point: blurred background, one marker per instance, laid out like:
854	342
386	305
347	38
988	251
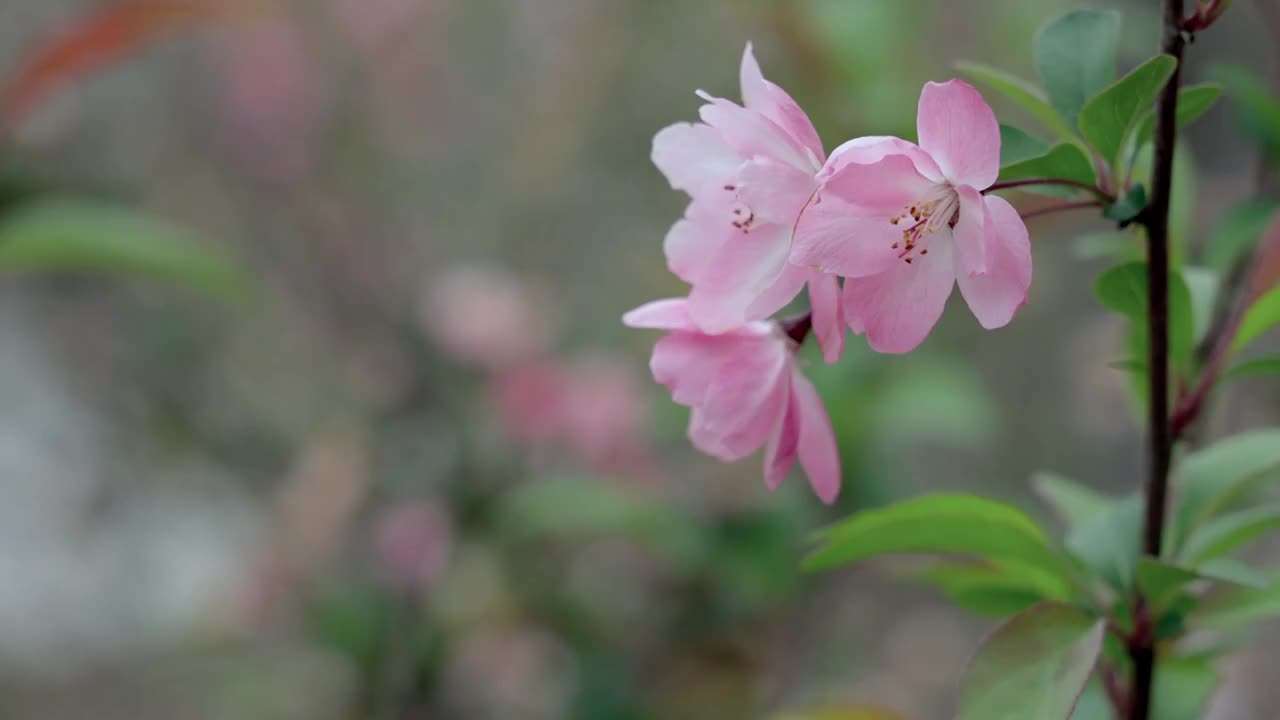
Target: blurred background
315	402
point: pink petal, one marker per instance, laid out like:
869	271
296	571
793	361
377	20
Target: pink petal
828	315
873	148
750	133
695	158
737	273
694	239
744	400
880	189
779	294
669	314
959	130
897	309
688	362
997	295
774	191
780	453
834	238
970	235
773	102
819	454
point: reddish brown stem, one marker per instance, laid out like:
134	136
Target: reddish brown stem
1063	182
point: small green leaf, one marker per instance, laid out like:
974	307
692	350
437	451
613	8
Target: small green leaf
1260	318
984	589
1236	607
1193	101
1107	119
1261	366
1073	503
1125	209
1024	94
1065	161
1223	535
1076	57
1215	476
1161	582
1203	284
947	524
1034	667
1183	686
70	234
1107	542
1123	289
1016	145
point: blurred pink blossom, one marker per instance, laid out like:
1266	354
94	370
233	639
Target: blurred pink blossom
905	223
485	316
592	406
271	93
370	22
412	544
746	391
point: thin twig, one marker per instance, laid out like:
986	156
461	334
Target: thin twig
1008	184
1079	204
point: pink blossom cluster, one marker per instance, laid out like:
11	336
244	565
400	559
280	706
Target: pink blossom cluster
880	232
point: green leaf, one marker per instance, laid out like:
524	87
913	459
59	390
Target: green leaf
1107	119
1215	476
947	524
1126	208
1261	366
1016	145
1193	101
1034	667
857	712
65	234
1203	284
1076	57
984	589
1236	607
1074	503
1225	534
1107	542
1123	289
1065	161
1183	686
1260	318
1024	94
1161	582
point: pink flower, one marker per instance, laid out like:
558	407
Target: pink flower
412	543
750	171
746	391
903	223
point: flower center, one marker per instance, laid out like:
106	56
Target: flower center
921	219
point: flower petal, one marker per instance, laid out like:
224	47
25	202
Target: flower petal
997	295
880	189
694	239
834	238
750	133
687	363
668	314
774	191
959	130
897	308
737	273
873	148
828	315
970	234
779	294
744	400
819	453
694	157
780	453
773	102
